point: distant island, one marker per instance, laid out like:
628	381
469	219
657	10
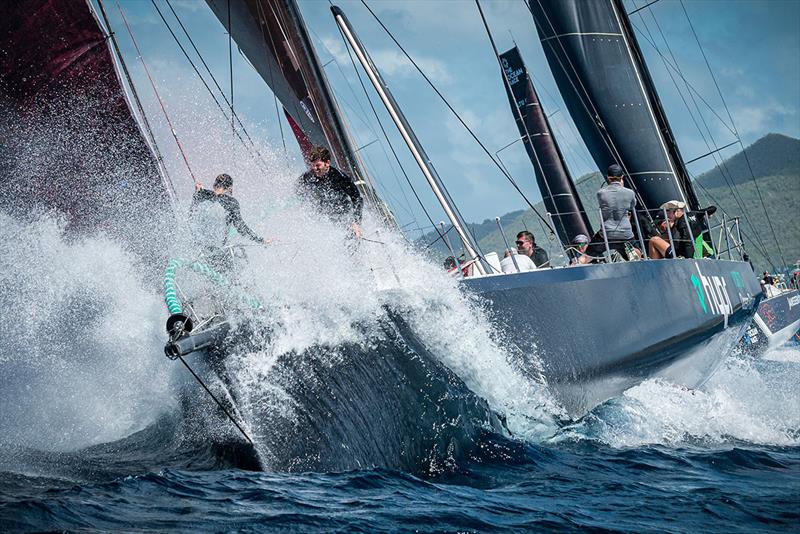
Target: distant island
775	160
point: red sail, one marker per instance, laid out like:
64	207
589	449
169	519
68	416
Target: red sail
70	141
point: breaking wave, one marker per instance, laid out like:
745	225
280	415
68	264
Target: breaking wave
748	401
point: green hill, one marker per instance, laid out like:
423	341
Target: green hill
775	160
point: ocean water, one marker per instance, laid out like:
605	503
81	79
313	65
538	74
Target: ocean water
372	409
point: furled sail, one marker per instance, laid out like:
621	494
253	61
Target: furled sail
601	74
70	142
558	192
273	37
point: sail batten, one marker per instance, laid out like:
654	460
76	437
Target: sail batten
607	89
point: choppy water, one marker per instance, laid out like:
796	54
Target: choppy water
360	425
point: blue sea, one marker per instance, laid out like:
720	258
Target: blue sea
354	429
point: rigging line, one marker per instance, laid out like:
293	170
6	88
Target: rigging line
759	247
455	113
230	60
518	113
386	136
383	149
721	164
251	148
225	411
170	187
733	124
364	120
208	70
641	8
710	153
160	101
441	236
692	88
262	23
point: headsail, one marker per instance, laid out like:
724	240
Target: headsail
273	37
558	191
70	140
600	71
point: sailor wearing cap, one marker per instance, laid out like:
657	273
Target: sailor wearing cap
675	225
580	243
616	203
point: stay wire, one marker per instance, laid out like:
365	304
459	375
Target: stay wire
456	114
211	74
733	124
252	148
170	187
230	60
224	410
155	90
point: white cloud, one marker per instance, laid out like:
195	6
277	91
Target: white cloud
392	62
758	119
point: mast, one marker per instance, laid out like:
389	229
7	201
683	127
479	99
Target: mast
555	183
410	138
601	74
274	38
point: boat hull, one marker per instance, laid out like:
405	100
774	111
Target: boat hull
594	331
775	322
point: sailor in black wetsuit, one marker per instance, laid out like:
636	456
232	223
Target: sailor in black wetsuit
214	213
331	190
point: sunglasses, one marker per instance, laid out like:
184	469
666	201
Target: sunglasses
521	243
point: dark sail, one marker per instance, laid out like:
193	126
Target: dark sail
558	191
70	143
273	37
606	86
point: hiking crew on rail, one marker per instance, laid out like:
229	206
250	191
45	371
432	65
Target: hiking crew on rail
333	192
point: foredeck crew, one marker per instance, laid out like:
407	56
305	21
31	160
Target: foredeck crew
214	213
331	190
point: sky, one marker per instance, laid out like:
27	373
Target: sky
752	47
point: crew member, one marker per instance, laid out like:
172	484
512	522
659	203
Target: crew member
331	190
220	197
526	245
617	203
580	244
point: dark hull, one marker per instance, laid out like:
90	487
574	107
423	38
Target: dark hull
594	331
775	322
387	403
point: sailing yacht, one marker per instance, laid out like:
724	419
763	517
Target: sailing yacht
597	330
592	331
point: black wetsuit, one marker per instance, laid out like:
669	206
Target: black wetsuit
539	256
233	213
334	193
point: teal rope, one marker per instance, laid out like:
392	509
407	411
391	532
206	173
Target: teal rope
170	291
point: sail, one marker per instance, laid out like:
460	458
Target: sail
600	72
273	37
558	192
70	142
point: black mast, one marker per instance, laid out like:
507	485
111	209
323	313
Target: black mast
555	183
